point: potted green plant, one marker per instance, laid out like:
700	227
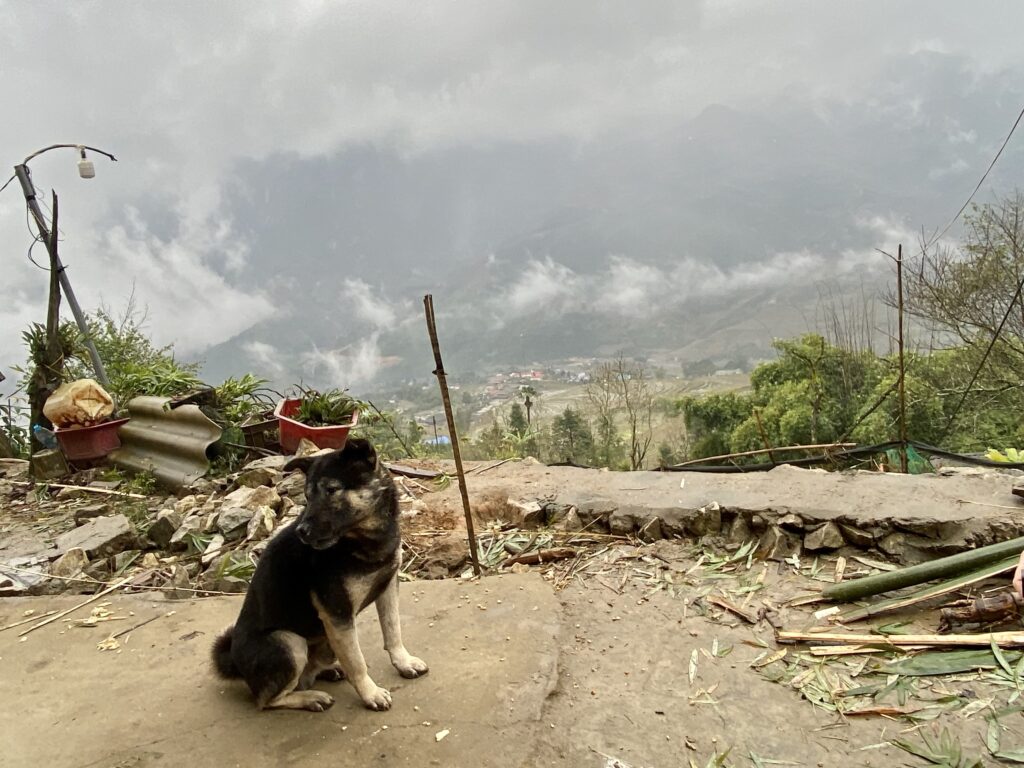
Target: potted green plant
323	418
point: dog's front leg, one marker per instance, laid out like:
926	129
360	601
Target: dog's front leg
345	643
391	626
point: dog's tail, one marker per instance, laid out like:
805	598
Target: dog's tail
222	661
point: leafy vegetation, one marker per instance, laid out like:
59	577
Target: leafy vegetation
331	407
816	392
135	365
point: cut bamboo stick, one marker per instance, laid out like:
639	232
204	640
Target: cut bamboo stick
29	620
721	602
853	650
542	556
936	590
918	574
983	640
85	488
82	604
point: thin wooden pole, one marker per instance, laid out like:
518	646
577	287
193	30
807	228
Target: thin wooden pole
903	367
442	383
759	451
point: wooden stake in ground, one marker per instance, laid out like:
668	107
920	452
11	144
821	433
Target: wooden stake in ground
442	383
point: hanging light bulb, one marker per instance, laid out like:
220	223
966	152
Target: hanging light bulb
85	167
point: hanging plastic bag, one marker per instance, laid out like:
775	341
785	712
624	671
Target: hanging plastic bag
79	403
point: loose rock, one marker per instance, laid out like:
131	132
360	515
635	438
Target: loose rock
261	525
233	521
189	526
526	513
827	536
256	477
254	498
178	585
71	563
99	537
89	511
167	522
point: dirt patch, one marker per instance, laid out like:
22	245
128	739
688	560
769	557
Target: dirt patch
653	674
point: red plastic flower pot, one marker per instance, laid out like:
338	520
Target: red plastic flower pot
292	432
95	442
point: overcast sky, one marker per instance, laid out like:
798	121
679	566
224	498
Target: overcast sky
194	96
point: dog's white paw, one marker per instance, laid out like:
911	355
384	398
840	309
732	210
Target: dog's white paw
318	701
410	666
377	699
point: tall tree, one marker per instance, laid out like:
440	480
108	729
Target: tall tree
571	438
517	420
972	294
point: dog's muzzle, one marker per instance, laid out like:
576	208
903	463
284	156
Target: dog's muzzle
308	537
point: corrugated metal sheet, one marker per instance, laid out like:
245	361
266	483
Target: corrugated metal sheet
170	443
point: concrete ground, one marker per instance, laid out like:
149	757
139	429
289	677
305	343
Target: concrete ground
492	648
626	667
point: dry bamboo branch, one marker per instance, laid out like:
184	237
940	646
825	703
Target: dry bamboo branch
983	640
726	605
26	621
86	488
82	604
542	556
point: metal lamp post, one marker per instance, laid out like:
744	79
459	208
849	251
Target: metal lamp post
86	170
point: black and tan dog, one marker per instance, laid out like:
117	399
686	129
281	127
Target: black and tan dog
297	623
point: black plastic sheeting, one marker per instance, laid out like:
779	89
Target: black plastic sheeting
834	457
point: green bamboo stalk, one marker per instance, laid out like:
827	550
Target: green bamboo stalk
936	590
943	567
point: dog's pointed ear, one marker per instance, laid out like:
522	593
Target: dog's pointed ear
361	449
299	462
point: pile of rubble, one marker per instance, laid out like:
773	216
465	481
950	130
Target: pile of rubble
205	540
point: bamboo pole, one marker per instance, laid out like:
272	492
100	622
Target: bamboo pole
943	567
903	366
936	590
759	451
442	383
981	640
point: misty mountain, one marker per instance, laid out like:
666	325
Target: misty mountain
712	236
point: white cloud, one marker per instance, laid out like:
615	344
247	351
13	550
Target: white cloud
373	309
541	286
267	356
189	302
630	288
351	366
